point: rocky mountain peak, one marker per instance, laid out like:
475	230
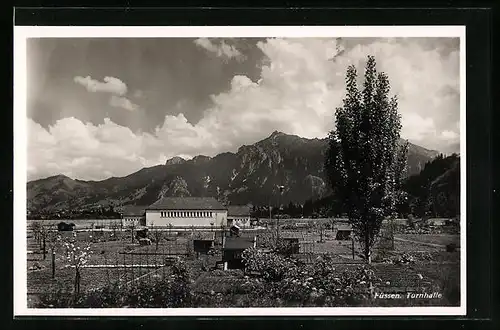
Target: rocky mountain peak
175	160
201	159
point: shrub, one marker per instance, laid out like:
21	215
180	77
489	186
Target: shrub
291	283
271	266
58	298
451	247
106	297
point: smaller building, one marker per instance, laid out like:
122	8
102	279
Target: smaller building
343	232
203	242
133	215
232	249
238	215
234	230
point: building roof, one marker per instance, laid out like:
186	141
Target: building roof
186	203
238	243
238	210
133	210
204	236
344	227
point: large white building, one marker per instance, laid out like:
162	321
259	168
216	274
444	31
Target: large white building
187	212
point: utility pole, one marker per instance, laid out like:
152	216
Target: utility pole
280	191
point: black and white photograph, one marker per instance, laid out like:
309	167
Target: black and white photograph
221	171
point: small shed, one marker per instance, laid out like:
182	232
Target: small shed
63	226
234	230
232	249
203	242
343	232
141	233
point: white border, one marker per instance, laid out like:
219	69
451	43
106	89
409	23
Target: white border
21	33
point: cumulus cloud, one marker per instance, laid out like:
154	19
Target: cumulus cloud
109	85
220	48
301	84
93	152
122	102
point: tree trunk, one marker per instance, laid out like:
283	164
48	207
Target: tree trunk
367	248
77	281
44	248
53	264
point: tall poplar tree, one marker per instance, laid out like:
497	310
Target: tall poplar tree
365	160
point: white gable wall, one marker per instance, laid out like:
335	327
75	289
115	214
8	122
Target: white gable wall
186	218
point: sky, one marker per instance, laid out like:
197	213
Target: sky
99	108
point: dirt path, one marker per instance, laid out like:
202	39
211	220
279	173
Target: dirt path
421	243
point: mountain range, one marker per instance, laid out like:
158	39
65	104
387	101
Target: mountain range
248	176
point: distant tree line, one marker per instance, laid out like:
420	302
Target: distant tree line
100	212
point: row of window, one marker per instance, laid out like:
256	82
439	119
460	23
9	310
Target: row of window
132	219
186	214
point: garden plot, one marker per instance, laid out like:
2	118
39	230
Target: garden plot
438	239
42	282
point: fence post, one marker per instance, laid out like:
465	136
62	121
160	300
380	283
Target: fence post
117	271
44	249
107	269
147	265
125	268
392	233
53	264
352	246
140	264
132	267
163	268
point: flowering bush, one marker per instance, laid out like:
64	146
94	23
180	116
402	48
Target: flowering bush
270	266
77	254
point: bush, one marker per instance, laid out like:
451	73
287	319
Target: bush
107	297
270	266
59	298
291	283
451	247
